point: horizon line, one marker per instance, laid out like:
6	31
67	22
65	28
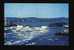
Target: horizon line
37	17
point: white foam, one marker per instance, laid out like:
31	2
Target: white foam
35	31
16	42
66	30
66	26
8	43
33	43
19	27
50	39
44	27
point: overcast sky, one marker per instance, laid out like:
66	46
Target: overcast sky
41	10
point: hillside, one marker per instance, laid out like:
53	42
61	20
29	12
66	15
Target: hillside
36	21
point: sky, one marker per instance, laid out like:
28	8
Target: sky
40	10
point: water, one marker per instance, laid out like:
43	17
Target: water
48	38
33	37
